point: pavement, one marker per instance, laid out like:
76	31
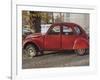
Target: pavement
55	59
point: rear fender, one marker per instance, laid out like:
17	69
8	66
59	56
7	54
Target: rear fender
81	43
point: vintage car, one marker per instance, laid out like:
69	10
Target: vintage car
60	36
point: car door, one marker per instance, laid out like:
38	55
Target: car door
68	37
52	40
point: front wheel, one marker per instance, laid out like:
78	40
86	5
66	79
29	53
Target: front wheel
80	52
31	50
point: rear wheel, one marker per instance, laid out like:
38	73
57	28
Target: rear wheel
80	52
30	50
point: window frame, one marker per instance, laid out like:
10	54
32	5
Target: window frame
66	26
52	26
78	28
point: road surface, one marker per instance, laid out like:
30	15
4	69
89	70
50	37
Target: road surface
55	59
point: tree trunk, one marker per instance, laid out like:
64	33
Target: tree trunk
35	21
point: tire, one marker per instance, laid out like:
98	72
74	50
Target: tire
80	52
30	50
87	51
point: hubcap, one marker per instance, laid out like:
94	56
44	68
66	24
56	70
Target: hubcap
31	52
81	51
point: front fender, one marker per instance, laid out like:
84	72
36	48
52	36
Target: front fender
31	41
81	43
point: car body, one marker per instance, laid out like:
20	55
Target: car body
60	36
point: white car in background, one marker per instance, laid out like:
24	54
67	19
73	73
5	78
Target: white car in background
45	27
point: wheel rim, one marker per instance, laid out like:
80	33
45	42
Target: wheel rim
31	52
81	51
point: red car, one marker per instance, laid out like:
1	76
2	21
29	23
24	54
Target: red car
60	36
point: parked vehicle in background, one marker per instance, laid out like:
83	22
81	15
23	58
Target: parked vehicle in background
45	27
26	31
60	36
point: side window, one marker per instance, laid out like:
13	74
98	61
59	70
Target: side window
55	30
77	30
67	30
